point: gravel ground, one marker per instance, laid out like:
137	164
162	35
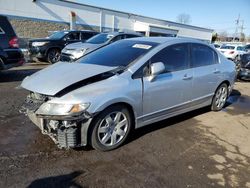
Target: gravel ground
197	149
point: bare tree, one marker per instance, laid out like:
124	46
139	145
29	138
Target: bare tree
184	18
242	37
223	36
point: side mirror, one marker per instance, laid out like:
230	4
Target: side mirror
156	69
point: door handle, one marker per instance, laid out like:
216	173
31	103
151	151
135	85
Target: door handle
216	71
186	77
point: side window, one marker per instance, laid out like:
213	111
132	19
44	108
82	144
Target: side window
130	36
119	37
86	36
203	55
240	48
174	57
73	36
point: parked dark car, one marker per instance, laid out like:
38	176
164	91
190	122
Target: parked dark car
49	49
72	52
247	47
10	54
244	72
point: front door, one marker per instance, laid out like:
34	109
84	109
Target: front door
171	90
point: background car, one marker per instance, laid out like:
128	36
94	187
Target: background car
244	72
49	49
128	84
247	48
217	46
74	51
232	51
10	54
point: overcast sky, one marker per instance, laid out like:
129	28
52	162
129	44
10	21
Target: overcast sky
219	15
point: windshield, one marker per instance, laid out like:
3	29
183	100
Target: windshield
118	54
99	39
228	47
58	35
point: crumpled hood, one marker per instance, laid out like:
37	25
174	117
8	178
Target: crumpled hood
82	46
55	78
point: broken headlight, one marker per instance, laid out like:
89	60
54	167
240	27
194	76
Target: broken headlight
55	109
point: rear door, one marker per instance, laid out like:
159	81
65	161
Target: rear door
73	37
169	91
207	73
86	35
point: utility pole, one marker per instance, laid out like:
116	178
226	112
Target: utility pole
241	30
237	22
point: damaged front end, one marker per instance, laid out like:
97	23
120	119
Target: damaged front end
67	125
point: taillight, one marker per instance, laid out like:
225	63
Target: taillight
231	52
14	42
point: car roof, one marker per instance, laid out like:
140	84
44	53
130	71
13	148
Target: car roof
161	40
235	45
115	33
76	31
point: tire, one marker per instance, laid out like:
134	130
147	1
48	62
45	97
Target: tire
220	97
53	55
110	128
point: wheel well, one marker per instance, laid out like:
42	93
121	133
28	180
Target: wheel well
226	82
1	62
126	105
2	58
130	109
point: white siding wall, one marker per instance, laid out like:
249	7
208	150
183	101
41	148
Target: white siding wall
55	10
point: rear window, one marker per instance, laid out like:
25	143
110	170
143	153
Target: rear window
5	27
100	38
1	31
228	47
118	54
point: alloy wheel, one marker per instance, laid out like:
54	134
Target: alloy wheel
112	129
221	97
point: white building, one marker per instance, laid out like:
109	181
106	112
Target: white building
102	19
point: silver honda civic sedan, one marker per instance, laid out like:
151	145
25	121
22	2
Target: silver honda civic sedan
129	84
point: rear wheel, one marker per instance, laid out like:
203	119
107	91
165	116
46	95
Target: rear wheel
53	55
220	97
111	128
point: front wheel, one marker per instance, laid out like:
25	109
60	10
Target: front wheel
53	55
220	97
111	128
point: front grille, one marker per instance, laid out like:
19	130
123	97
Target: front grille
66	58
68	138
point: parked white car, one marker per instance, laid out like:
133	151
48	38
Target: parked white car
232	51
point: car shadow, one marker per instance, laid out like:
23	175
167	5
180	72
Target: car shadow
15	75
233	98
62	181
137	133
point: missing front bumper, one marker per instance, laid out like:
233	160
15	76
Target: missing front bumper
64	133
